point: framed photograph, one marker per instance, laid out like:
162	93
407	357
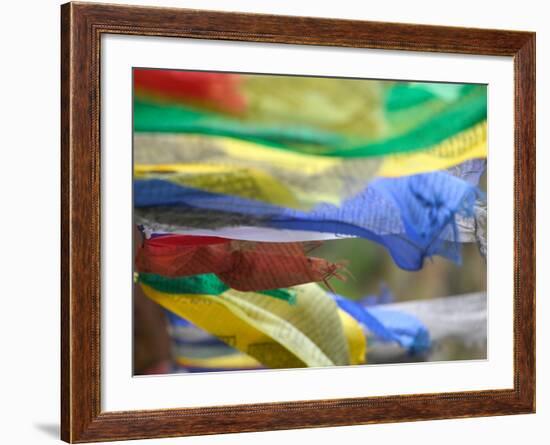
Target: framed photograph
274	222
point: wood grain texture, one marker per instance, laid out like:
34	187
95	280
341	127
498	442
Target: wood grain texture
81	28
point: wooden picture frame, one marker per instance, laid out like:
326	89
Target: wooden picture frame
82	26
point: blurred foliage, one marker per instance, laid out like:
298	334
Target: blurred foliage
371	267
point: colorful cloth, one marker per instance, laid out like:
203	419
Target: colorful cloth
311	332
412	216
238	178
335	117
244	266
297	180
389	325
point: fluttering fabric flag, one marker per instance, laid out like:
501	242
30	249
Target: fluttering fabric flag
467	145
218	91
250	170
207	283
260	105
297	180
345	116
403	328
238	177
195	350
311	332
246	182
412	216
241	265
152	228
389	325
